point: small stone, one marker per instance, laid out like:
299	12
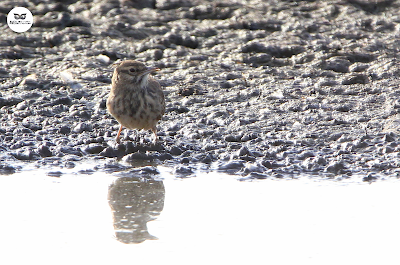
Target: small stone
69	164
334	167
81	127
359	143
199	57
387	149
22	130
337	64
110	152
389	137
207	159
165	156
233	138
149	170
254	46
235	165
30	80
54	174
359	67
249	136
183	170
71	157
305	154
138	4
9	101
343	107
176	151
326	82
370	178
62	101
308	163
64	129
104	59
244	151
270	164
260	58
136	156
22	105
86	171
320	160
172	4
6	169
232	76
158	54
355	79
185	160
44	151
24	155
257	175
61	150
254	167
94	148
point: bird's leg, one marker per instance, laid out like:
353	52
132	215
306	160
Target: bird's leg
154	130
119	133
136	136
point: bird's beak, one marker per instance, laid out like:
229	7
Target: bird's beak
150	70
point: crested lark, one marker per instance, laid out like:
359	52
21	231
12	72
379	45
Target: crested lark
136	99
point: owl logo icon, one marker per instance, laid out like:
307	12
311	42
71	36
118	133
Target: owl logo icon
19	19
19	16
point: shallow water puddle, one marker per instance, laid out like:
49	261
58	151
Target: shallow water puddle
211	218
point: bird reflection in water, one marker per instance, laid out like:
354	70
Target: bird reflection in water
135	201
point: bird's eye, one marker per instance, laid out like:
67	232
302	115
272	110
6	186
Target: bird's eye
132	70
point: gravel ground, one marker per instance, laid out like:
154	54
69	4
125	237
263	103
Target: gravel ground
261	89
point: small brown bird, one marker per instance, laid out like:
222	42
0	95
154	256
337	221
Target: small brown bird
136	99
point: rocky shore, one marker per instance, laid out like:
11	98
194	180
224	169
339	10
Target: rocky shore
261	89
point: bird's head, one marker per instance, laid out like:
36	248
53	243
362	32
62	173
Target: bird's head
133	72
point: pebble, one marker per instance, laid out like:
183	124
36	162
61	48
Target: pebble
111	152
183	170
233	138
165	156
24	155
64	129
82	127
172	4
335	167
337	64
148	170
137	156
54	174
6	169
176	151
9	101
305	154
355	79
243	151
254	167
44	151
104	59
370	178
231	165
255	175
93	148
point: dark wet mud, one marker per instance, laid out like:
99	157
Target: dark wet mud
256	88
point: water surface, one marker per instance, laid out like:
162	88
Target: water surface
207	219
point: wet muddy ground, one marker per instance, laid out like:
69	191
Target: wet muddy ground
262	89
